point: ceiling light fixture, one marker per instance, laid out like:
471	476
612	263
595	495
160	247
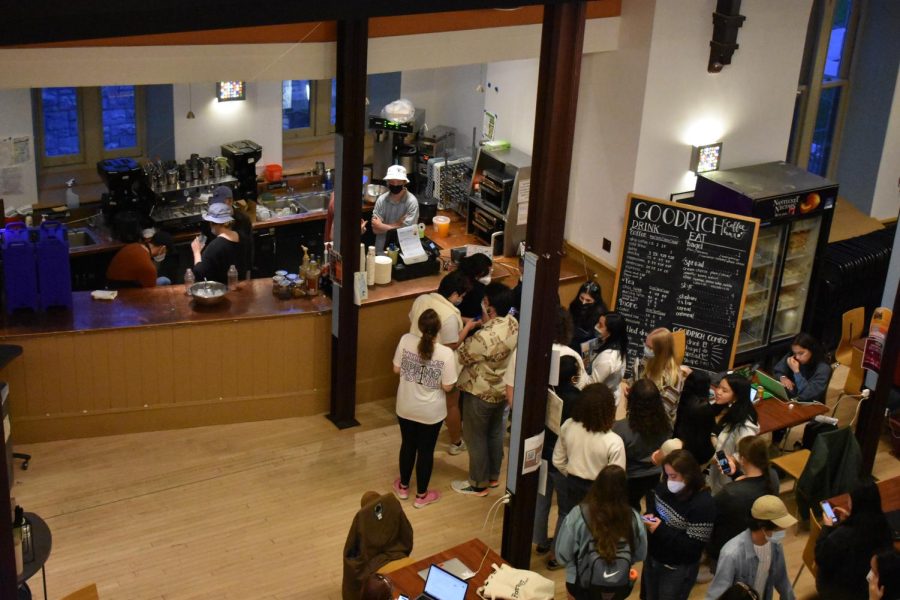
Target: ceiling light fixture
190	114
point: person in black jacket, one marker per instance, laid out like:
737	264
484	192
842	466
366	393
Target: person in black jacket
733	503
477	269
844	549
212	261
680	520
586	308
695	420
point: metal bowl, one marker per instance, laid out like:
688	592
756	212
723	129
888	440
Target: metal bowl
371	191
207	293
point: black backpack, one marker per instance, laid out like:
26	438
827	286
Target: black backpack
599	579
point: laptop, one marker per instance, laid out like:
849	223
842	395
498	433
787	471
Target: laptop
443	585
772	385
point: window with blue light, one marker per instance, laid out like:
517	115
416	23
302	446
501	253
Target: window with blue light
295	104
62	134
119	117
839	25
333	101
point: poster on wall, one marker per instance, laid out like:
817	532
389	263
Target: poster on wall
874	348
684	268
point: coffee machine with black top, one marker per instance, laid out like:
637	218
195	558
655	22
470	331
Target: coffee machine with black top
242	157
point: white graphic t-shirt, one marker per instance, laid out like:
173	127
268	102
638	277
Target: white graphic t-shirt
420	396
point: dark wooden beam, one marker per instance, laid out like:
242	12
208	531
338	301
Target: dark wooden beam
43	21
562	40
871	412
352	54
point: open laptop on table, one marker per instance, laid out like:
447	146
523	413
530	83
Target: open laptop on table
772	385
443	585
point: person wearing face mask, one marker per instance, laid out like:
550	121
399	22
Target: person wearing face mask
135	265
679	521
884	575
395	208
844	547
608	367
477	268
755	556
586	308
695	419
736	422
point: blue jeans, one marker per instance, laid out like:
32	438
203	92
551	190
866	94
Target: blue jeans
667	582
483	434
544	504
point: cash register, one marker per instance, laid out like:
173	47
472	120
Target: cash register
419	265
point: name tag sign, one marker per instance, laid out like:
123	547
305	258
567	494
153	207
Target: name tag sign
684	268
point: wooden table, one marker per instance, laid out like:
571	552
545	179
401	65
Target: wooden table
890	496
774	414
472	554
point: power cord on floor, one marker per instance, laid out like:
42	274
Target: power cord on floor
504	499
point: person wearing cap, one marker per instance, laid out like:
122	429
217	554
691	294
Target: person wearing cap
212	261
135	264
242	225
395	208
755	556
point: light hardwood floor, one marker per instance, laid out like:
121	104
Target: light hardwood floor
246	511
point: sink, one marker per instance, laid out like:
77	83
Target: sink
79	237
313	202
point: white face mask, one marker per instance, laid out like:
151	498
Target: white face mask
777	537
160	257
675	486
870	576
648	352
485	280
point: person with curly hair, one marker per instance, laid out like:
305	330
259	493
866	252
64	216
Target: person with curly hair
643	430
586	445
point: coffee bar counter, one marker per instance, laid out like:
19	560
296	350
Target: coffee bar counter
152	359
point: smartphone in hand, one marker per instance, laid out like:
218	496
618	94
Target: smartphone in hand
829	511
723	462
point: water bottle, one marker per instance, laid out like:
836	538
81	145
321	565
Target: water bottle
232	278
188	281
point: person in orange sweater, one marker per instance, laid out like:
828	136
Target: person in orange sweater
134	265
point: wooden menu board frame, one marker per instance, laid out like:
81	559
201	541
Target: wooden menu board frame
641	233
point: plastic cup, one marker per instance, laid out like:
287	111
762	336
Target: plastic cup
441	225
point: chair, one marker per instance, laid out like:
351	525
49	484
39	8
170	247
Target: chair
794	463
809	550
88	592
851	328
679	341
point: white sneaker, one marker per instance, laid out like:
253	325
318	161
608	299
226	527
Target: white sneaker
454	449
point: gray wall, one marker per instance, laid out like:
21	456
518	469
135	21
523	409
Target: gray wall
160	122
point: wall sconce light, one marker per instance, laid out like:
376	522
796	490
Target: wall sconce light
706	158
226	91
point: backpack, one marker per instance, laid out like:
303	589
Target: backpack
598	579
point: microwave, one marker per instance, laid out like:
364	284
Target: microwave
496	188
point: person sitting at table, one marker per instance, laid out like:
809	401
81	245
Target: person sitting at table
659	366
754	479
884	575
803	371
135	264
844	547
643	430
585	308
738	421
608	367
213	259
696	416
755	556
605	523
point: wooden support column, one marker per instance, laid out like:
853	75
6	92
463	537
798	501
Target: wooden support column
352	53
871	412
557	98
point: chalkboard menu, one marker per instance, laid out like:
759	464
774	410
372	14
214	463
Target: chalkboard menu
684	267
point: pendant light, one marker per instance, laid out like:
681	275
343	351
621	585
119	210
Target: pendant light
190	114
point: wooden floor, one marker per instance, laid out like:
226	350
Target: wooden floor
245	511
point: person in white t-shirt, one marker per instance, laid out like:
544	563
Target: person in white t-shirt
427	371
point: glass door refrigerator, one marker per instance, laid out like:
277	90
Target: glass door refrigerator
795	210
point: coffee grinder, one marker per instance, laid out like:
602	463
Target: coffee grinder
242	157
394	144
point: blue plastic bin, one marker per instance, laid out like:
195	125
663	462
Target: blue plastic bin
53	271
19	262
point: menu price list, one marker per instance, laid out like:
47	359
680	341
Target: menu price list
684	268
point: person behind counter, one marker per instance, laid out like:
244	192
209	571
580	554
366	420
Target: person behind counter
242	225
804	372
135	264
211	261
395	208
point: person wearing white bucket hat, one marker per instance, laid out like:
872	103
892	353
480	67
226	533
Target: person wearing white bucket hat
395	208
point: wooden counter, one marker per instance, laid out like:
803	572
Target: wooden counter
152	360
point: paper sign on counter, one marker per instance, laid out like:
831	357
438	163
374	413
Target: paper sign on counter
410	245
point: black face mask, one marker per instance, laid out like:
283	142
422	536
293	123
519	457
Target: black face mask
395	189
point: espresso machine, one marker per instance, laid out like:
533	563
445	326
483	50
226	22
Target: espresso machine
126	186
242	157
394	144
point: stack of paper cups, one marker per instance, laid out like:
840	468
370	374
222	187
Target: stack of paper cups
383	266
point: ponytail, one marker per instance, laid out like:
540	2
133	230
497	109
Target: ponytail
429	325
